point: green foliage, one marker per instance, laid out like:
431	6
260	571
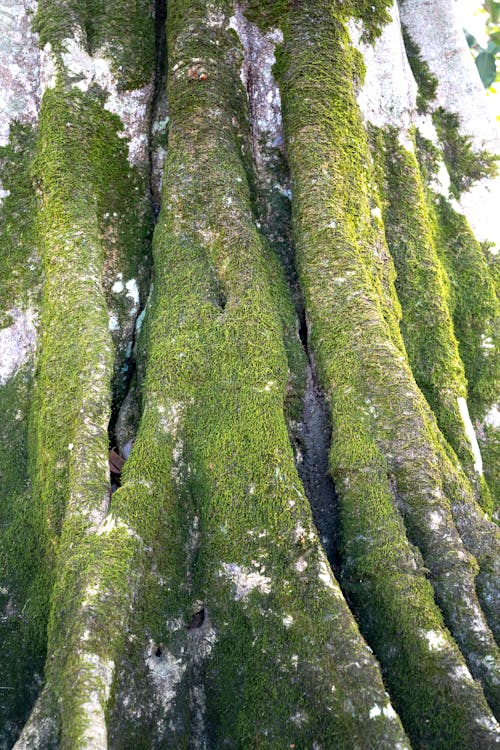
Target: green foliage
486	65
465	165
487	57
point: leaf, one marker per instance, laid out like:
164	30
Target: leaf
487	68
471	40
493	8
493	47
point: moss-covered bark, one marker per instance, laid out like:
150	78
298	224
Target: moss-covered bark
415	235
276	612
89	225
194	607
389	462
21	655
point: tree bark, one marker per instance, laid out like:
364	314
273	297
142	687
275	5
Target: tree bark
291	543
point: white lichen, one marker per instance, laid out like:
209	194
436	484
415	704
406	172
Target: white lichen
95	733
113	323
84	70
386	711
462	673
109	524
326	575
435	520
19	67
117	287
259	83
133	291
17	343
436	641
298	718
166	672
301	564
170	416
492	419
245	580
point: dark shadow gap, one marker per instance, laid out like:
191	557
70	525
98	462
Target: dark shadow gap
123	380
311	438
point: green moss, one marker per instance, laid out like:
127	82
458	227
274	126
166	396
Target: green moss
465	164
423	288
219	363
385	442
23	643
88	217
242	471
23	646
83	179
122	30
373	14
474	305
426	81
272	208
19	264
489	442
428	157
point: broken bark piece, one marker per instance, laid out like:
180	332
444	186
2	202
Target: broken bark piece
115	462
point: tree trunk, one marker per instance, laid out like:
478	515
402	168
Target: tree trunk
237	250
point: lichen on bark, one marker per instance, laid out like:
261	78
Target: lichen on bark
307	247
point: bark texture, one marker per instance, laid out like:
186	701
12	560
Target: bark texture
235	248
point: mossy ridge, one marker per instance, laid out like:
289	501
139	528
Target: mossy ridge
81	188
23	647
368	380
124	34
473	302
474	305
489	443
423	289
70	408
272	208
374	15
122	30
19	263
221	360
476	315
